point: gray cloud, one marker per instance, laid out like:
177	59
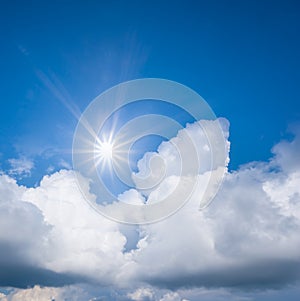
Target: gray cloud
22	276
258	275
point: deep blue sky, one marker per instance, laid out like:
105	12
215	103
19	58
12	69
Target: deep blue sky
242	57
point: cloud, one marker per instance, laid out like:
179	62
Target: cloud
20	167
21	227
24	236
196	149
287	155
46	293
172	297
18	274
142	294
82	241
247	239
51	231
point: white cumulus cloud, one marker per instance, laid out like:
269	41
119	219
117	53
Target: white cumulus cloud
248	238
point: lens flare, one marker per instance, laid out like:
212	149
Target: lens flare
105	150
102	151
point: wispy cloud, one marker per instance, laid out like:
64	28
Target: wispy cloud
20	167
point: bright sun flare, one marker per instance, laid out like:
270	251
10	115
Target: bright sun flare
105	151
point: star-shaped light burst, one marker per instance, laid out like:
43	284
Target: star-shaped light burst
104	151
109	153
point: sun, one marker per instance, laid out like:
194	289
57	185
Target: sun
104	152
109	153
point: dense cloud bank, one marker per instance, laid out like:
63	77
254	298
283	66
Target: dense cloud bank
247	239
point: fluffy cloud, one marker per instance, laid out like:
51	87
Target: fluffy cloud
46	293
142	294
200	147
247	238
51	231
287	155
82	241
35	293
22	235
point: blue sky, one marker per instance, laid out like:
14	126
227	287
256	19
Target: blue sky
242	57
